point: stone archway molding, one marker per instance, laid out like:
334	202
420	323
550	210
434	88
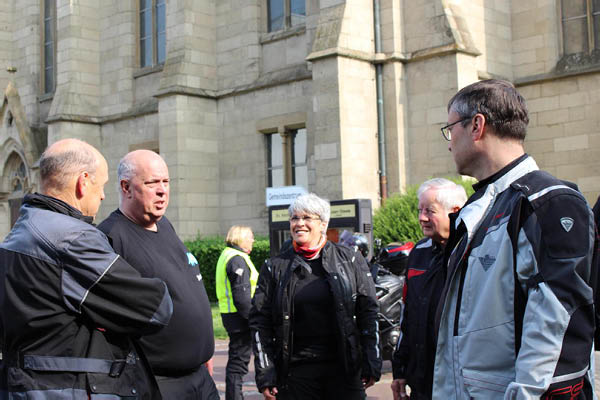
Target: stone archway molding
8	151
12	102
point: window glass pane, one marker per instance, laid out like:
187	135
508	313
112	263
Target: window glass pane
298	8
145	4
275	150
160	16
49	80
162	47
145	23
573	8
48	30
597	31
145	52
161	37
301	176
276	177
300	147
275	11
49	8
575	35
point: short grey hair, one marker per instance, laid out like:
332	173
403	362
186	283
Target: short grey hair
311	204
125	170
502	105
57	168
449	194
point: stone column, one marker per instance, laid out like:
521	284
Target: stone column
75	106
188	138
344	102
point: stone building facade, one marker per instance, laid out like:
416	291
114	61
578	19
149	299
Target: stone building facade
238	95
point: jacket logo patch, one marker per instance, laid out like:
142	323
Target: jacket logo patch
487	261
567	223
239	271
199	277
191	259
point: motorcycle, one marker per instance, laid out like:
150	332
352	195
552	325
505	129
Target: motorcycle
388	270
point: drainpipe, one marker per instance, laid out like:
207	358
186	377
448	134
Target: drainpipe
380	112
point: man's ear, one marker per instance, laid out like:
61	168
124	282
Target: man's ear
124	184
81	184
478	126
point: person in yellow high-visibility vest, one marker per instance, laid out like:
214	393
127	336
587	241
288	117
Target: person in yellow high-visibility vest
235	281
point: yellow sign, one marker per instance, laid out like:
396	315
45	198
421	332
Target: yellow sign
280	215
343	211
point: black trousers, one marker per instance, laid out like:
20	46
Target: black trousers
198	385
320	381
240	348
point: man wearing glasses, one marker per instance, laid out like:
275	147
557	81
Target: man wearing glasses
516	316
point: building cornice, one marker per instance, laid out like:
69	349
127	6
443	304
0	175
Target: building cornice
383	58
553	76
145	108
294	73
186	90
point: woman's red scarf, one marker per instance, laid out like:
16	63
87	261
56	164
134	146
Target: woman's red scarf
309	252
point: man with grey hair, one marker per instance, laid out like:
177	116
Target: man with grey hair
516	316
69	305
142	235
412	361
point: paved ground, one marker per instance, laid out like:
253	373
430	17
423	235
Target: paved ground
381	390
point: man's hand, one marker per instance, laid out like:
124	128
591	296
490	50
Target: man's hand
399	389
209	366
368	382
270	393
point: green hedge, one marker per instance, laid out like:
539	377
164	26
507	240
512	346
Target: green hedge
207	251
397	219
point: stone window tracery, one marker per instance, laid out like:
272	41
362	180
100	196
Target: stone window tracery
580	25
153	36
49	46
287	158
285	14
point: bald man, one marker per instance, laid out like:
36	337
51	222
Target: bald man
69	305
140	233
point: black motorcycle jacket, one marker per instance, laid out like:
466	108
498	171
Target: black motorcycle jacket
356	307
69	308
414	357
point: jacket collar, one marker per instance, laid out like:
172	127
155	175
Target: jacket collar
479	203
38	200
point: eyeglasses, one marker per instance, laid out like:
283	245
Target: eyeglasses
447	132
307	219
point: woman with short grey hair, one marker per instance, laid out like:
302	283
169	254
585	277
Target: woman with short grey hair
314	315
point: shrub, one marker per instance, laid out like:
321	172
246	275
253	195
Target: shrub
207	251
397	219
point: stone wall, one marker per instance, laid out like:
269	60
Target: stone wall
227	82
564	129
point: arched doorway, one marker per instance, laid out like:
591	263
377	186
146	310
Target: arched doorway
17	177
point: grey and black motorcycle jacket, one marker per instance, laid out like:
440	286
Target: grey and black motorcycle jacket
69	309
517	317
356	307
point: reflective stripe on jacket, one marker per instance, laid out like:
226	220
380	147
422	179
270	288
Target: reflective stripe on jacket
272	314
69	306
224	295
517	321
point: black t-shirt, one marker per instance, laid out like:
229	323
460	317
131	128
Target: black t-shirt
314	316
188	341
